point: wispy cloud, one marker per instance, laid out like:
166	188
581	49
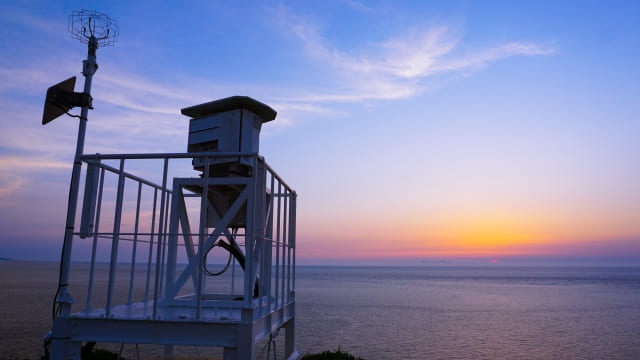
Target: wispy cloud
142	94
147	108
482	58
32	78
361	6
396	67
28	20
15	173
24	163
415	54
9	184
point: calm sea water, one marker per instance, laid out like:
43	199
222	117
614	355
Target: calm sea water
471	313
410	312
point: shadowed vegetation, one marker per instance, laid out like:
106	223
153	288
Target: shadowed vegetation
331	355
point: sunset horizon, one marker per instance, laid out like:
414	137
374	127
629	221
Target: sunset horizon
409	131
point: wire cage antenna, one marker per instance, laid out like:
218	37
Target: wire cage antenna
87	24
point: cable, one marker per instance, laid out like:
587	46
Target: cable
223	245
73	115
60	284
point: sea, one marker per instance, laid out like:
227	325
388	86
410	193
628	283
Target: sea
418	312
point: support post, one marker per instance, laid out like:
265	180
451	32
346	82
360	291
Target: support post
64	299
60	348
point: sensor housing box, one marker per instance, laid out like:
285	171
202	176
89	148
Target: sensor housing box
229	125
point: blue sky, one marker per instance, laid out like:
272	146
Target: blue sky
410	129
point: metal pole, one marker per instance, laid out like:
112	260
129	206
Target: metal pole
135	245
96	230
161	235
115	240
153	226
64	297
202	233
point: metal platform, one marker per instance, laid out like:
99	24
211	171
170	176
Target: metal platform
143	281
218	325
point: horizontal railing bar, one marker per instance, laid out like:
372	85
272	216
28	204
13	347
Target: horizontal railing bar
88	157
165	155
283	195
275	174
133	177
148	241
149	234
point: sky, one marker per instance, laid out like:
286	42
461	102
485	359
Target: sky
414	132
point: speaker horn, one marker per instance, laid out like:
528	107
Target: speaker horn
61	98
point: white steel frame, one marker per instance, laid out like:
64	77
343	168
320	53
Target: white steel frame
165	314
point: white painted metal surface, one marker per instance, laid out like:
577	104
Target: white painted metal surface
147	225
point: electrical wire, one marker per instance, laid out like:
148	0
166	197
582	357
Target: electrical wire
224	245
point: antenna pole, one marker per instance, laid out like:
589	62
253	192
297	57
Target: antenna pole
64	300
93	29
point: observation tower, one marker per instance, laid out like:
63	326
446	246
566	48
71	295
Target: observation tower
193	248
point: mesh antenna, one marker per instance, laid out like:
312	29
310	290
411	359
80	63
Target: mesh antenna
87	24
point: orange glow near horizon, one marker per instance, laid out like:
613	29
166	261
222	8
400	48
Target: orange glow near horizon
491	236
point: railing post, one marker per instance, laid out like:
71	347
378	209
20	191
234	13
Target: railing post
285	244
278	226
116	238
94	245
153	226
204	204
158	280
172	238
135	245
249	241
292	240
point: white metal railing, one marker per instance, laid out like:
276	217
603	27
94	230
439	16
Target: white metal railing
129	196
